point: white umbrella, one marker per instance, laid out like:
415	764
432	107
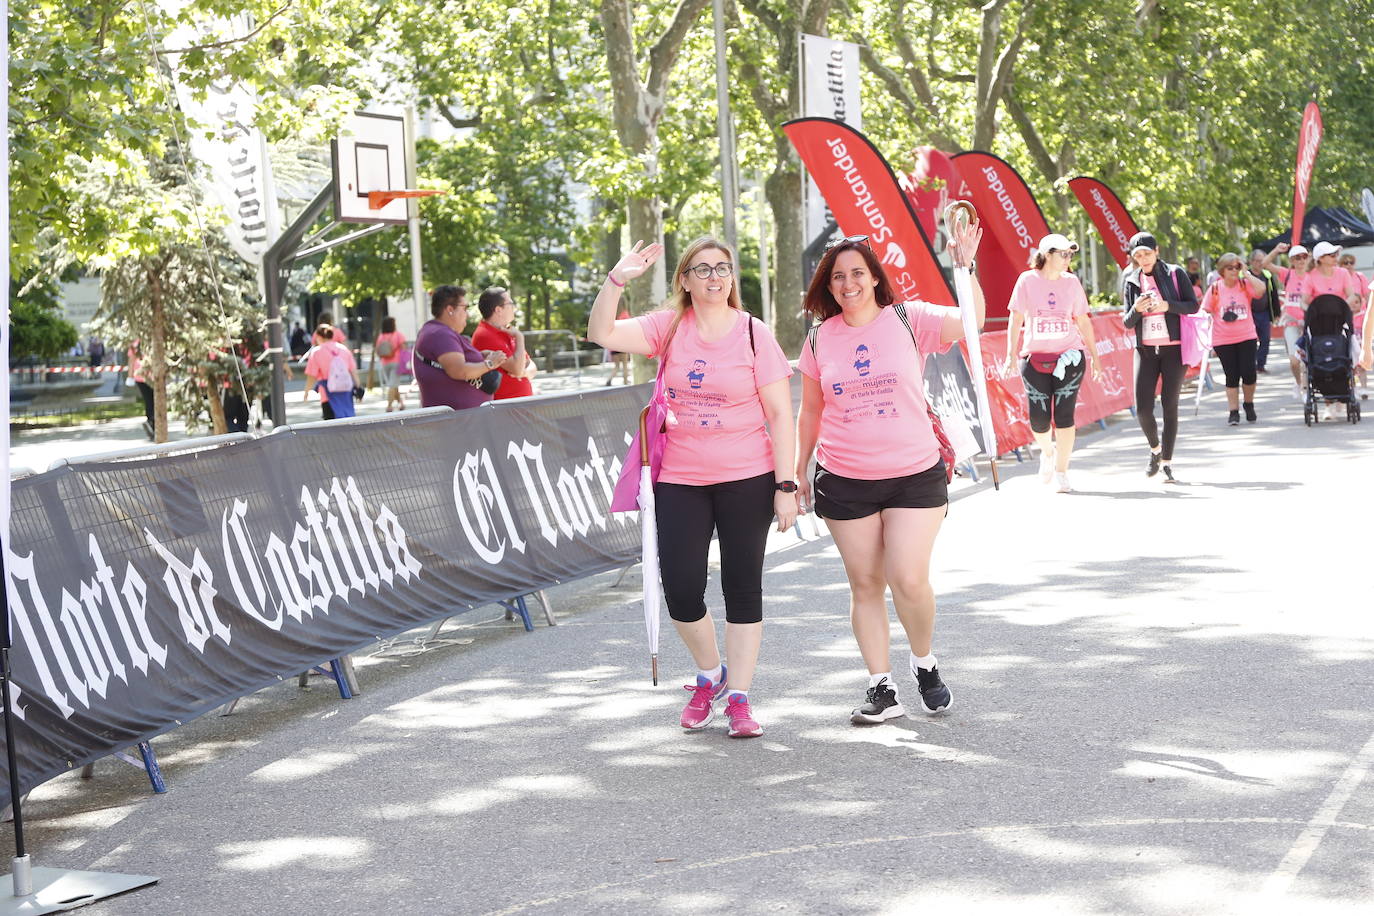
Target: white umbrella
648	531
960	213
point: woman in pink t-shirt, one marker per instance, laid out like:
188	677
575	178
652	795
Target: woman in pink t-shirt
727	464
880	481
1051	303
387	352
1230	301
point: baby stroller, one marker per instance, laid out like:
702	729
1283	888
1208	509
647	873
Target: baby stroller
1327	348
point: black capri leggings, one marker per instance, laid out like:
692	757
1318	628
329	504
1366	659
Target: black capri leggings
740	512
1238	361
1046	395
1159	363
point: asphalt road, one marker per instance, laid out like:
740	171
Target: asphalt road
1162	704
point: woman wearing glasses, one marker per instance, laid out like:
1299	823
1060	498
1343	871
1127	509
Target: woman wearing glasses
1050	302
727	466
1234	337
880	481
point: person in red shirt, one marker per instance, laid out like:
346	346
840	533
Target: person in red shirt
498	331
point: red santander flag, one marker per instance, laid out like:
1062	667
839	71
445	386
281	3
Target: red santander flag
1012	221
1309	140
932	184
1108	214
865	198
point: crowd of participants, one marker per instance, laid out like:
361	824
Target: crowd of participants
450	367
866	452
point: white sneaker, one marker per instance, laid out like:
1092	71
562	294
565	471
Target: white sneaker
1061	481
1046	466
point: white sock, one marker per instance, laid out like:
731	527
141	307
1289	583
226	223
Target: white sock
926	662
875	679
741	696
712	676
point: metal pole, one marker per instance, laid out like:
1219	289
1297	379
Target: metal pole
729	189
417	282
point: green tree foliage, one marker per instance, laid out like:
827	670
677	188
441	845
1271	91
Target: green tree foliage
185	298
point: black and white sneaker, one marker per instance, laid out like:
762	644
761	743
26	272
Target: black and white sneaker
1169	475
1153	469
935	696
880	706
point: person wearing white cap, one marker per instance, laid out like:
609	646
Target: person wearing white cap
1328	278
1157	295
1231	301
1292	277
1050	302
1347	262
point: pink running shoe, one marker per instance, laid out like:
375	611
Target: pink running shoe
701	708
742	724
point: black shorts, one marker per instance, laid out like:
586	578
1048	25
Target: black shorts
845	498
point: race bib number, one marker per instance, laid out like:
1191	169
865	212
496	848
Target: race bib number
1155	331
1048	326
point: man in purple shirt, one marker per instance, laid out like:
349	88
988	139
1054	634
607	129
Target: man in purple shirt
441	341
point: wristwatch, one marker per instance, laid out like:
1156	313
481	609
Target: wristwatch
787	486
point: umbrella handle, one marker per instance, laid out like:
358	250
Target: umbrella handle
644	444
653	663
960	213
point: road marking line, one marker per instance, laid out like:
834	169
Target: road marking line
1282	879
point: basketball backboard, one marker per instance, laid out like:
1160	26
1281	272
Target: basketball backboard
370	155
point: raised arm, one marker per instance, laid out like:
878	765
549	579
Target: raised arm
624	334
963	248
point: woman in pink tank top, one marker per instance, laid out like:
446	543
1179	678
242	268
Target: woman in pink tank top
727	465
880	481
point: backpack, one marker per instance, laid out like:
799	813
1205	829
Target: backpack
385	347
340	379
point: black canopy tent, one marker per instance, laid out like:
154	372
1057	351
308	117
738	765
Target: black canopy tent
1327	224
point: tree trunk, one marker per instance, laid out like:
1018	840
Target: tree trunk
783	189
645	293
214	397
157	355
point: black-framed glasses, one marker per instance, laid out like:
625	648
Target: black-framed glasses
704	271
849	239
1063	252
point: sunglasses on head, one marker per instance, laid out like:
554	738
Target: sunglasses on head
849	239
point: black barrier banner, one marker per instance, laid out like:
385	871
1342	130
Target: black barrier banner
949	389
144	593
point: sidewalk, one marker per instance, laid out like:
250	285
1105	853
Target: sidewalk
1161	705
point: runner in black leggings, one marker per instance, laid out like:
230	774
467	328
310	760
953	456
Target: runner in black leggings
1156	294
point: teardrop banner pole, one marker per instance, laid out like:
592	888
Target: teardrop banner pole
958	215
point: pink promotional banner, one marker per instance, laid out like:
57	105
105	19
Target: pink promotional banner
1108	214
1097	400
1309	141
1012	219
866	199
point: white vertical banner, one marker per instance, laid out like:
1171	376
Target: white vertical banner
235	172
830	89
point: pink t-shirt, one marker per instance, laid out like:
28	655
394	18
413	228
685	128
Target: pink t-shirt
713	389
1050	307
1339	283
398	342
1154	330
874	422
317	367
1292	294
1362	288
1222	300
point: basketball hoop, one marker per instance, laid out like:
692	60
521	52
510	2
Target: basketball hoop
376	200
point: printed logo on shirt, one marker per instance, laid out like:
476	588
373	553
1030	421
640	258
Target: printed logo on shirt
863	362
697	373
